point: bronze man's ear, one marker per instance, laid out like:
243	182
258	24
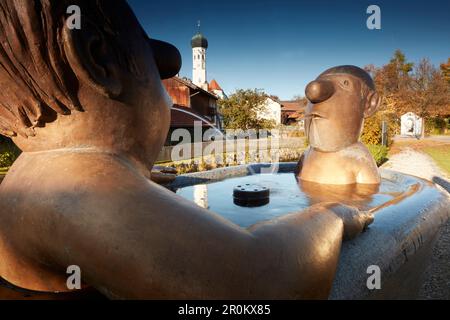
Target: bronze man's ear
372	104
167	58
92	59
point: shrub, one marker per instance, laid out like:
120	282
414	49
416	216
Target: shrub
379	153
8	152
435	126
372	128
371	132
7	158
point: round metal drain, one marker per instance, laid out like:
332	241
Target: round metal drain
251	195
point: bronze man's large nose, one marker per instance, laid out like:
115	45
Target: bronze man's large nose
319	90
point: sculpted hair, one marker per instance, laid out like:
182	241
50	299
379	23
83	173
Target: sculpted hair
37	83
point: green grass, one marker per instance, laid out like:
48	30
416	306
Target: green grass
379	153
441	155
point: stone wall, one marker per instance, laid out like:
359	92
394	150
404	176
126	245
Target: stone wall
211	155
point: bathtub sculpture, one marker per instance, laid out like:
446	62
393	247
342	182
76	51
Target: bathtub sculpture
88	110
407	211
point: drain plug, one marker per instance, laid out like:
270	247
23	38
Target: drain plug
251	195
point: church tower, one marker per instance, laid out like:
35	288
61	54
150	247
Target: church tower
199	45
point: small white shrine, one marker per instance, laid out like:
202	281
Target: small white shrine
411	125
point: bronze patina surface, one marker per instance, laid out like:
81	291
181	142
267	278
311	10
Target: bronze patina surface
88	110
339	100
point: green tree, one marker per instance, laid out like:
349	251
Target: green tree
399	61
240	110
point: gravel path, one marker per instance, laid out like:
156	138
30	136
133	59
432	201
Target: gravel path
437	277
417	164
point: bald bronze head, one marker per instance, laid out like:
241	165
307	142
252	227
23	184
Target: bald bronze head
339	99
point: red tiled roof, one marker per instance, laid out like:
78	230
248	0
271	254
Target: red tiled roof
214	85
186	82
195	87
292	106
296	115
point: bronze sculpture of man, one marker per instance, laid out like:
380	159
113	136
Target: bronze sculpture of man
88	110
339	99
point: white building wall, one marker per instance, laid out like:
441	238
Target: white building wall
220	94
272	111
199	66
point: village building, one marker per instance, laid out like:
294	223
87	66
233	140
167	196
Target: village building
199	45
411	125
293	113
190	104
215	88
271	111
195	100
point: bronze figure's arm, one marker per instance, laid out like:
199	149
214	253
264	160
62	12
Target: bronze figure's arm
134	239
88	109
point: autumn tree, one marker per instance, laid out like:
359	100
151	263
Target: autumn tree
445	70
392	81
421	89
241	109
428	92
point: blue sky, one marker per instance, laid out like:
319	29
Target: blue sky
280	46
